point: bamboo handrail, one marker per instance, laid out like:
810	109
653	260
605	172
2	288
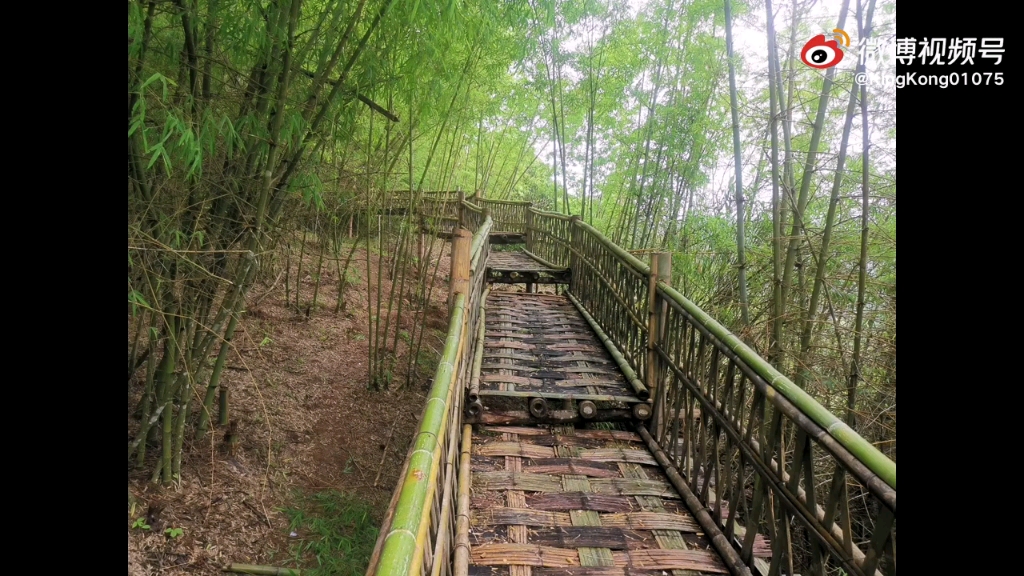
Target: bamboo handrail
863	450
399	554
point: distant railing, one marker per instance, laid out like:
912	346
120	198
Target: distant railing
547	236
416	535
509	216
760	454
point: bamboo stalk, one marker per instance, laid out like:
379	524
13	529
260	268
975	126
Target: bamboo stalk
624	256
478	242
462	546
659	314
638	386
459	284
478	358
547	214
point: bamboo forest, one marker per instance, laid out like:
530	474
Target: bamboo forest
511	287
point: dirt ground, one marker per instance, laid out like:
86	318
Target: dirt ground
307	422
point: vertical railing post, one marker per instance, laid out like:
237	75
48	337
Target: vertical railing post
575	239
661	271
462	239
459	211
529	228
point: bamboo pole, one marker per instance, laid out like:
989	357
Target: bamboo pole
711	530
399	555
860	448
541	260
547	214
459	284
652	327
559	396
641	391
371	568
626	257
661	271
462	548
478	241
475	406
529	228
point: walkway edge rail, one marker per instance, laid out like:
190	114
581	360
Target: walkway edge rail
416	538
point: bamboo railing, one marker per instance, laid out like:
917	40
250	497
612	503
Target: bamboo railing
509	216
417	535
547	237
760	453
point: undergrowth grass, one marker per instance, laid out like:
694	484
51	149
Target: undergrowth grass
336	533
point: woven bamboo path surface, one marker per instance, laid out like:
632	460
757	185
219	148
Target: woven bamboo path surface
550	500
539	344
519	267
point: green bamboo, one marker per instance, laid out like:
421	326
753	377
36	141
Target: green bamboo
638	386
401	543
461	562
863	450
547	214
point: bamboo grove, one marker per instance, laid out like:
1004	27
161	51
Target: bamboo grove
267	134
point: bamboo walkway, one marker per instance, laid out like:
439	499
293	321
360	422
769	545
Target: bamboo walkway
569	499
539	452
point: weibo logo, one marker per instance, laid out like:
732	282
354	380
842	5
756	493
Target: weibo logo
820	53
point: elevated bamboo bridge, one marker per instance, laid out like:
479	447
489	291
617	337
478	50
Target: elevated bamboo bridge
607	426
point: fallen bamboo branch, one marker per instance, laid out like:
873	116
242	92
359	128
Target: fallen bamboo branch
261	570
